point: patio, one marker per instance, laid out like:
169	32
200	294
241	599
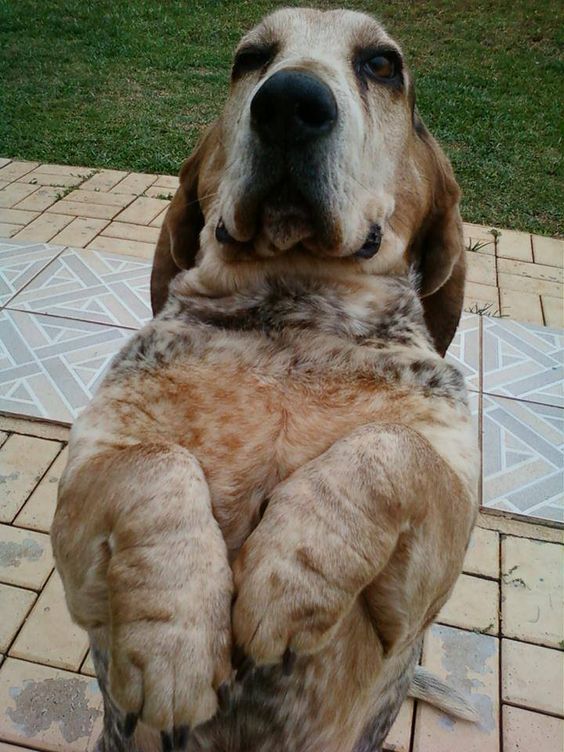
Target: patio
75	255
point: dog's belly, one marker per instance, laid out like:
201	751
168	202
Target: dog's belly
249	430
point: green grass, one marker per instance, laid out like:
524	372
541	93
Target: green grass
131	84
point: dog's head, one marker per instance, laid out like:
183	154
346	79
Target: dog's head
319	154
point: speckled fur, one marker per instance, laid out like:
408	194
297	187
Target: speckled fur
325	397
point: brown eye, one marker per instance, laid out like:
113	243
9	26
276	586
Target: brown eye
381	67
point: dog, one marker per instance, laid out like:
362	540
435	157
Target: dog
278	475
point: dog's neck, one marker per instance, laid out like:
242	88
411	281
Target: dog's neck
356	307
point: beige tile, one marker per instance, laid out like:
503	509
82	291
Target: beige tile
42	199
399	738
16	170
45	227
478	297
553	310
8	231
17	216
159	219
515	245
474	604
549	251
11	747
120	200
3	437
4	161
519	528
167	181
48	635
136	182
80	232
64	170
38	511
532	676
88	665
47	708
480	269
4	184
524	731
15	192
104	180
521	306
469	662
34	428
119	245
61	181
25	557
23	460
157	191
532	272
143	210
15	604
477	232
132	232
521	283
532	590
482	556
82	209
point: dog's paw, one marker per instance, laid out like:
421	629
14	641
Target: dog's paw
170	652
289	596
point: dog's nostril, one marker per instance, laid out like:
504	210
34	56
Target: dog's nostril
292	106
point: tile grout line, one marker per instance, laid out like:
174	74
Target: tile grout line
521	399
72	318
549	713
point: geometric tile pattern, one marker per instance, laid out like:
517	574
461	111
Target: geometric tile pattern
523	459
19	263
523	361
93	286
464	351
50	366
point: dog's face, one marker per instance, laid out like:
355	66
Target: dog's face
315	129
313	136
319	160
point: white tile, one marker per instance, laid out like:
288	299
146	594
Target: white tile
92	286
50	366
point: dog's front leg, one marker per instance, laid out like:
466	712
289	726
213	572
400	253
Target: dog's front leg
144	563
379	516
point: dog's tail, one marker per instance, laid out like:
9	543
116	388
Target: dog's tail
429	688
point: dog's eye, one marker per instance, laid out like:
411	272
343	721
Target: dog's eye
381	66
250	60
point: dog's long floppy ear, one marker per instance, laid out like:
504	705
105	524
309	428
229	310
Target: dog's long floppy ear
437	248
179	240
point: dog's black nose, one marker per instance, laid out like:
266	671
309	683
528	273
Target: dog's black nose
293	107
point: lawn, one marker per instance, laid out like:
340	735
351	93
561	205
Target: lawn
131	84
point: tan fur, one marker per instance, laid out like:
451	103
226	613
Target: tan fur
387	167
367	468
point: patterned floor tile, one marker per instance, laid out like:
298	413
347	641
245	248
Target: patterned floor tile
20	262
50	366
523	361
464	351
92	286
522	458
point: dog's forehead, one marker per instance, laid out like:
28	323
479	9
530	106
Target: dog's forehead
305	30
